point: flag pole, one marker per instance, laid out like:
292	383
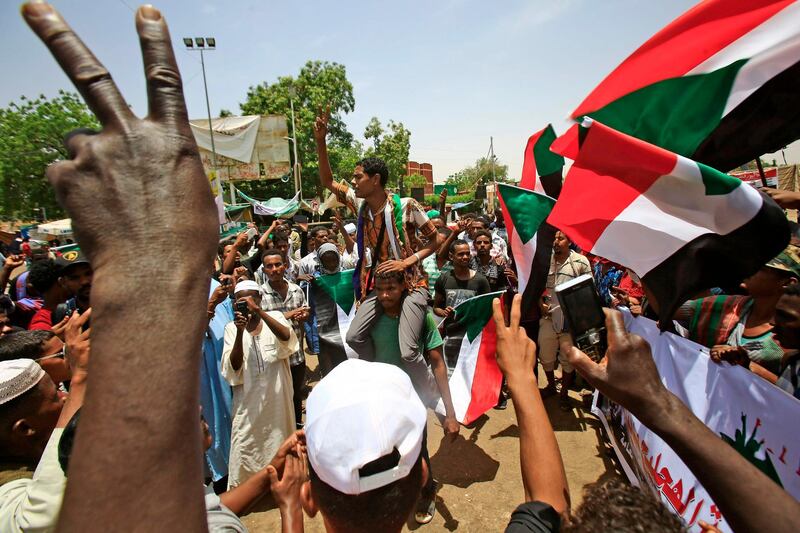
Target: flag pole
761	172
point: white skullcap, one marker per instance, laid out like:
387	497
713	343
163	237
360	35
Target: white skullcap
17	377
246	285
350	228
358	413
327	247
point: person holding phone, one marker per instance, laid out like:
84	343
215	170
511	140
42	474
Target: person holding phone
565	265
255	362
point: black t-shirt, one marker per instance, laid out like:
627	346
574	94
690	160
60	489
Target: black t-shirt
454	291
536	517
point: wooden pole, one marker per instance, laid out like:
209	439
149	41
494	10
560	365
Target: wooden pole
761	172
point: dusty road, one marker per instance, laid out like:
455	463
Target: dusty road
479	473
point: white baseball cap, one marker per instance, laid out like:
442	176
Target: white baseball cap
358	413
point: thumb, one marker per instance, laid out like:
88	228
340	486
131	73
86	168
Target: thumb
579	360
272	475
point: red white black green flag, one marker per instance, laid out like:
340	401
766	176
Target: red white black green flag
470	344
682	226
717	85
525	210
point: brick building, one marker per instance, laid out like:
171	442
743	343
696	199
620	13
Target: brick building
423	169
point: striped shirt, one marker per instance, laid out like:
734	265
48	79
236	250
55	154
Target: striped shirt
414	219
295	297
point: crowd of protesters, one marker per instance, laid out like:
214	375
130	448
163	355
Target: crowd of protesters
354	448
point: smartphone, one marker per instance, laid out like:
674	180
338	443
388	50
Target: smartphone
300	219
583	315
241	307
251	233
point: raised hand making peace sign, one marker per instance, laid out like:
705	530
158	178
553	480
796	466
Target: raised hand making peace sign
123	185
142	212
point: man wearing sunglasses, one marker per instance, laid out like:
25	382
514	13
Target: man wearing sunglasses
42	346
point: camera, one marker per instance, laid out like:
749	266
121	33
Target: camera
241	307
583	314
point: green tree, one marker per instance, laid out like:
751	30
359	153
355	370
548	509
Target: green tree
32	135
480	173
415	180
391	144
318	84
374	131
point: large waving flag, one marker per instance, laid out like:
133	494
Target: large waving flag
334	304
717	85
525	209
530	240
469	352
680	225
541	168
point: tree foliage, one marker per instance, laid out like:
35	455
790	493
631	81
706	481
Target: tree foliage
318	84
32	135
392	144
415	180
480	173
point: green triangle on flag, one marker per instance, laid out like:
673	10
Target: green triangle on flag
547	162
476	312
716	182
526	208
339	287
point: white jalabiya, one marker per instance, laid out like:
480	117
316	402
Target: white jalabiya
263	413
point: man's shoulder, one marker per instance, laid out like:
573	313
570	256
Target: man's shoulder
293	287
580	258
444	278
479	277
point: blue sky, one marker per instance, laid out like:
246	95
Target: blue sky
455	72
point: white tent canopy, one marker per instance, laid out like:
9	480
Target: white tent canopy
58	227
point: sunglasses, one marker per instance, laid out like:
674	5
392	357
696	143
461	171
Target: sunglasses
61	354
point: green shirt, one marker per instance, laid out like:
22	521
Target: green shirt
387	342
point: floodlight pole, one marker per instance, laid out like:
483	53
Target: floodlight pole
208	112
298	186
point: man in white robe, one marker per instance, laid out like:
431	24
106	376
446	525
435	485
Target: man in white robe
255	361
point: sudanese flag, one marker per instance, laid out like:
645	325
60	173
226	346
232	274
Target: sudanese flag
682	226
334	304
717	85
470	345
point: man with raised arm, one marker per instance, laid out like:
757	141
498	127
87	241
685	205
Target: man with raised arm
385	223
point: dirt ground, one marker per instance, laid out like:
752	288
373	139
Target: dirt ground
479	473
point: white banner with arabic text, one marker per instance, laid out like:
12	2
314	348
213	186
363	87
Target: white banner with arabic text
755	417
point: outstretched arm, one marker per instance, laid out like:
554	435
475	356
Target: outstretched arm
12	262
443	253
121	187
628	376
349	243
443	204
540	459
436	358
320	133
